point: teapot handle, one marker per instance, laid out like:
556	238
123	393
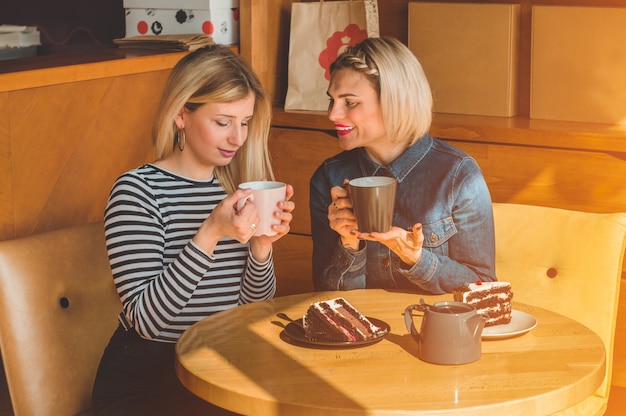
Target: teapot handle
408	319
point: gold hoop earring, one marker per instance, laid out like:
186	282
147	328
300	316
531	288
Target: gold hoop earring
181	139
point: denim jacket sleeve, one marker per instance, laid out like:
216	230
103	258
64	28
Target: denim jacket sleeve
459	248
334	267
346	270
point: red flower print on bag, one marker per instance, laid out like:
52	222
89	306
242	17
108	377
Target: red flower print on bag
337	43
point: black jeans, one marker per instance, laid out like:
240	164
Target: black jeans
136	377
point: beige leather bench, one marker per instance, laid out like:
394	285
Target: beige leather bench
569	262
58	308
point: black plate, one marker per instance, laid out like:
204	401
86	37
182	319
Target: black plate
295	331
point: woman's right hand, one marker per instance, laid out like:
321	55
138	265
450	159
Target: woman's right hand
341	217
227	221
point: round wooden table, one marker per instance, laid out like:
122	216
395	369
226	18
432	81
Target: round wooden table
241	360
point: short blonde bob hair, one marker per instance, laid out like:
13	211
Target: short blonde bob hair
216	74
397	76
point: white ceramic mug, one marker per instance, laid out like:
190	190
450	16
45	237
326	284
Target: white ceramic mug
265	197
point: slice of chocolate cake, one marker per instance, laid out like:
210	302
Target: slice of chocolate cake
492	300
337	320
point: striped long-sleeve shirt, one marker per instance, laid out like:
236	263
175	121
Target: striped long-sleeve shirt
165	281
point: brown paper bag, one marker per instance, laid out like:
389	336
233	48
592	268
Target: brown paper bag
319	32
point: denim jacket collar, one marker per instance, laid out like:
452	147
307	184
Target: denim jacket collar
402	165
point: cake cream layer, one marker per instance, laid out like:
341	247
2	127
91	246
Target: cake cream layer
492	300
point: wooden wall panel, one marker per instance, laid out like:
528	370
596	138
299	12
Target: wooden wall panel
293	266
47	125
264	42
570	179
295	156
69	142
6	188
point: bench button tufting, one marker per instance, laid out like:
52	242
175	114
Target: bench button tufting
64	302
552	272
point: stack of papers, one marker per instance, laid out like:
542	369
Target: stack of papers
166	42
13	36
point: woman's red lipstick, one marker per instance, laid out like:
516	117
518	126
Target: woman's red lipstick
342	129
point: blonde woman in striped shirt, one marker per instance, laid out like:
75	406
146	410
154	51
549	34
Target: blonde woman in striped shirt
179	249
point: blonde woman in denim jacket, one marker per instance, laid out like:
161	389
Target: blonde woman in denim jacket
443	232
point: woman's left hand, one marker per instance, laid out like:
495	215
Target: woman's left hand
406	244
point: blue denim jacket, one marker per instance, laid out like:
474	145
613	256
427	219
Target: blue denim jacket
439	186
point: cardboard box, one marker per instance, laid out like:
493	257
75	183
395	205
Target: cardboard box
578	64
218	18
469	53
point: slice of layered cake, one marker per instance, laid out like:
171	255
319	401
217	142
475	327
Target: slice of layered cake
492	300
338	320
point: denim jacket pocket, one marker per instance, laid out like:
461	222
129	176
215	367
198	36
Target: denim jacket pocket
437	234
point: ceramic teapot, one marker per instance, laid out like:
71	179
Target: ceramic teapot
450	332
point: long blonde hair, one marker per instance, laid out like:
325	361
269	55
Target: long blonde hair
397	76
216	74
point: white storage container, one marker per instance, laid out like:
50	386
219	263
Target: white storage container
218	18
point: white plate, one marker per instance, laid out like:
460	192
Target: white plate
521	323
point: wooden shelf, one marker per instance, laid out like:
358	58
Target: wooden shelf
498	130
522	131
60	69
41	71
